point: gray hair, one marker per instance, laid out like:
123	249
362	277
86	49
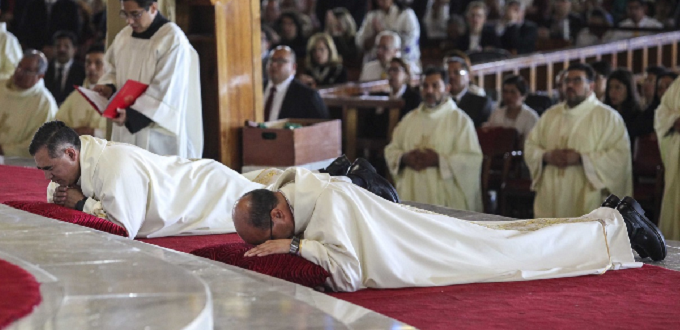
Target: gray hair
396	39
42	60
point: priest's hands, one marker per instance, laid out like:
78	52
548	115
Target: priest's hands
103	90
419	160
277	246
562	157
122	117
67	196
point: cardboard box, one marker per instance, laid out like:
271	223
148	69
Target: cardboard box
317	140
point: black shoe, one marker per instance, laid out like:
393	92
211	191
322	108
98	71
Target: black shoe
645	237
611	202
371	180
339	167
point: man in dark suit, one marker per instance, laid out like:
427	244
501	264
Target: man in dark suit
554	27
479	36
519	36
64	71
41	19
286	97
479	108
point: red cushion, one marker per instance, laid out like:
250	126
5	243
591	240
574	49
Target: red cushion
284	266
65	214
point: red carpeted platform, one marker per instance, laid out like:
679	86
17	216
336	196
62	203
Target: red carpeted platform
638	298
22	184
19	293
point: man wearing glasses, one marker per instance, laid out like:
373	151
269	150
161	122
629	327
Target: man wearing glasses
578	152
167	118
434	156
25	104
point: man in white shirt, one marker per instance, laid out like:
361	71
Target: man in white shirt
25	104
636	19
286	97
388	46
64	71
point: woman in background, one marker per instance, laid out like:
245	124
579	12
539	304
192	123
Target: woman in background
621	94
514	113
322	63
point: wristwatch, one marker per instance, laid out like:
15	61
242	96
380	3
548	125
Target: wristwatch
295	246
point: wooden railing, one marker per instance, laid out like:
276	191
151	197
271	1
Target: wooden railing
540	69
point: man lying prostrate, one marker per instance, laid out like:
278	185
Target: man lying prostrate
366	242
150	195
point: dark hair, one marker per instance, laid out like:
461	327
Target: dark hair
54	135
96	48
296	20
262	202
602	68
641	2
632	101
655	69
667	74
65	34
590	73
432	70
143	3
518	82
599	12
403	64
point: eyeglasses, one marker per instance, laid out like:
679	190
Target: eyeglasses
135	15
279	60
395	69
459	73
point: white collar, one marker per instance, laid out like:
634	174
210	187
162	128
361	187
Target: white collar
282	85
400	92
458	96
3	27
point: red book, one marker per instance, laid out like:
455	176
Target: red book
122	99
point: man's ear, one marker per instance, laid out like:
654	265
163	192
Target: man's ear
153	8
276	214
72	154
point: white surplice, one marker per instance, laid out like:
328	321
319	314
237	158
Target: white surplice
169	65
156	196
599	134
669	144
364	241
451	133
10	52
22	112
77	112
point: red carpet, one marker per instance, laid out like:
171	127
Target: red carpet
646	298
22	184
19	293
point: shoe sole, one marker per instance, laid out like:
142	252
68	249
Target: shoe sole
636	206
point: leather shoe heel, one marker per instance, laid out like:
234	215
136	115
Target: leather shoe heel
372	181
339	167
645	237
611	202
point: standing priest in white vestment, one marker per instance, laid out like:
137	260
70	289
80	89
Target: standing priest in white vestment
10	52
149	195
434	155
667	126
364	241
167	118
578	152
76	112
25	104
